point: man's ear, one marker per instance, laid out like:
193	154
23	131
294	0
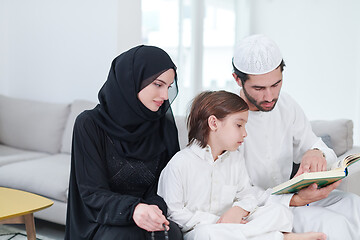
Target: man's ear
237	79
213	123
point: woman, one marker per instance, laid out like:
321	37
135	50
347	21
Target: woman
119	149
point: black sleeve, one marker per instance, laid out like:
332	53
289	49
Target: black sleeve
152	198
98	202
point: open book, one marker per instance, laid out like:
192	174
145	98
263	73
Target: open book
338	171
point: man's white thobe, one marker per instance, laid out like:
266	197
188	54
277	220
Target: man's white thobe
280	137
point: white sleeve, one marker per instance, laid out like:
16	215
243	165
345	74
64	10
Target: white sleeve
171	189
305	139
248	197
255	196
284	199
330	155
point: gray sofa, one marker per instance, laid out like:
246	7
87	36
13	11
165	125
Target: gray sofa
35	145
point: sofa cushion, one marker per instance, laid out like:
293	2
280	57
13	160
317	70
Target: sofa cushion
11	155
182	130
32	125
77	107
340	132
48	176
327	140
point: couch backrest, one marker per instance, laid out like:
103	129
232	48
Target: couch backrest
32	125
339	132
76	108
182	130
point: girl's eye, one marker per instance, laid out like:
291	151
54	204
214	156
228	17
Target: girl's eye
157	84
239	126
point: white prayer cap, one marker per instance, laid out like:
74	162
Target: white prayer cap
257	54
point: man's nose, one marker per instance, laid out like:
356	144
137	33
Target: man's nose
268	95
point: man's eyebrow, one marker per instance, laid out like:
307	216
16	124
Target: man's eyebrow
256	86
277	82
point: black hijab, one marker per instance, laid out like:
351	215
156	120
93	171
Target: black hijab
142	132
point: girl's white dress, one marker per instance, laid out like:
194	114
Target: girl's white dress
198	190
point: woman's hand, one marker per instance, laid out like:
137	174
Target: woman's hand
149	217
234	215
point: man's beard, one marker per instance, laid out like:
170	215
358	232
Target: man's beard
258	105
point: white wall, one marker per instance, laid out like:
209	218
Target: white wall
62	50
3	48
321	47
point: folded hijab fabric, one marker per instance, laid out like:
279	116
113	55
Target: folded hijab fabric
122	113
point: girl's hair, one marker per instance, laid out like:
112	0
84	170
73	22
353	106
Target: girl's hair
217	103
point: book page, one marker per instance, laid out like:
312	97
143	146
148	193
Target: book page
347	161
351	159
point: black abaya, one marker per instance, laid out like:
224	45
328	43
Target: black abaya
119	149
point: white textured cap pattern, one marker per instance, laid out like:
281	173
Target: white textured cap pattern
257	54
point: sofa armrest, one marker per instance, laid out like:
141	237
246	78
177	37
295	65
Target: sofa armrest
351	182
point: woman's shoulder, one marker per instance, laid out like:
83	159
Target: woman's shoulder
85	122
85	117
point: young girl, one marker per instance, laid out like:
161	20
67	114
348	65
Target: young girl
206	184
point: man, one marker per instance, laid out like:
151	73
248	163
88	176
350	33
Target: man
279	134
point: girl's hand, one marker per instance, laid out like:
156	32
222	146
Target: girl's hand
234	215
149	217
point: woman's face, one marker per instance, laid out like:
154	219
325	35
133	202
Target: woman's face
154	94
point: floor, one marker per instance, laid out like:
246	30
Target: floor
47	229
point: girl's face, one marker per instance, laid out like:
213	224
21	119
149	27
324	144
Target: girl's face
154	94
231	131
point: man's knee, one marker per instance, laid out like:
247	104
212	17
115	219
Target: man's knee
315	219
336	227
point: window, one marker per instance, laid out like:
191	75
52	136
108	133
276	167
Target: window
219	41
199	35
